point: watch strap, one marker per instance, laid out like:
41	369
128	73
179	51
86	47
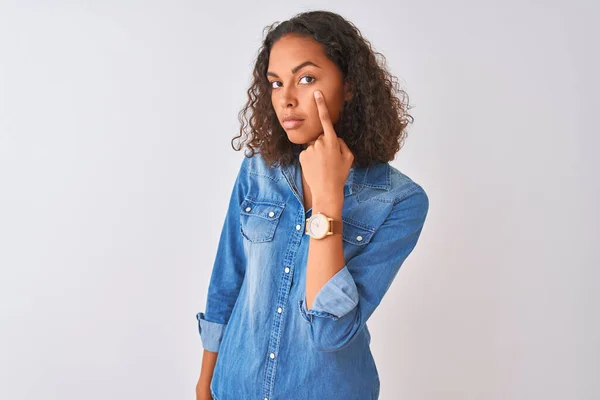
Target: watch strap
336	226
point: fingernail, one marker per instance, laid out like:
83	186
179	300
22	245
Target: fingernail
317	94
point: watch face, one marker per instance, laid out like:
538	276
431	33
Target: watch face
318	226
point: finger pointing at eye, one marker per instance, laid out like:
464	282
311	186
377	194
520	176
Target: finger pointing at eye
328	131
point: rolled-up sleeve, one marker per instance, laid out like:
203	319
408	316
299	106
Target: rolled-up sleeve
346	301
228	271
211	333
336	298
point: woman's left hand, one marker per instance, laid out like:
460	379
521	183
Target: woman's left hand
326	163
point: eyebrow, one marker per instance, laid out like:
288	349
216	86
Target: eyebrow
295	69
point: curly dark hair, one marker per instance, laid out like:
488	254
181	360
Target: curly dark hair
372	123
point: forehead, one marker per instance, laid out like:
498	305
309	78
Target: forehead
292	50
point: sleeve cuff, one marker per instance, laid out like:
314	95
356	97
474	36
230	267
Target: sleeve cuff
336	298
211	333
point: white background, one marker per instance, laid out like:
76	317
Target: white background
116	168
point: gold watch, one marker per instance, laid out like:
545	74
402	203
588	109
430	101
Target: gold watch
319	225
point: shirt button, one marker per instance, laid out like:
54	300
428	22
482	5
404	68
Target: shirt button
287	270
271	214
359	238
248	209
280	310
298	227
272	355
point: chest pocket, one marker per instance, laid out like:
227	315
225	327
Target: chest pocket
259	218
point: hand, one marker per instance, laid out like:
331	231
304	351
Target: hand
326	163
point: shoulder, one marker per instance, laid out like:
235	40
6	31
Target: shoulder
402	187
256	166
411	202
385	183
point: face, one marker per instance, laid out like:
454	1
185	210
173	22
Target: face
297	67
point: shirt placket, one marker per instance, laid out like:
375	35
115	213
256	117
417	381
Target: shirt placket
280	308
286	280
287	272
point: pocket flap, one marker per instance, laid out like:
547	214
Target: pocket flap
356	233
267	209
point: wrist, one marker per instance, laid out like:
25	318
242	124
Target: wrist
330	206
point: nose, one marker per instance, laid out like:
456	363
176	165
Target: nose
288	97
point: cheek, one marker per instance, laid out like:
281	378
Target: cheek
334	107
313	112
275	106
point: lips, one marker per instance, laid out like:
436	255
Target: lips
292	123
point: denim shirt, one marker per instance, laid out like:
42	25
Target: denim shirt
270	347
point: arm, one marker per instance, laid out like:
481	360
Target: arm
342	306
209	359
228	271
325	256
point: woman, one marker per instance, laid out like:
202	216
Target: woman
318	222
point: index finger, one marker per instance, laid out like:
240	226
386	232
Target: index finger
328	130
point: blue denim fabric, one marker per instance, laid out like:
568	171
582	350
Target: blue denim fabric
270	346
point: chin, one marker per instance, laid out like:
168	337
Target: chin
297	137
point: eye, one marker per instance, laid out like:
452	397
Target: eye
308	76
305	76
